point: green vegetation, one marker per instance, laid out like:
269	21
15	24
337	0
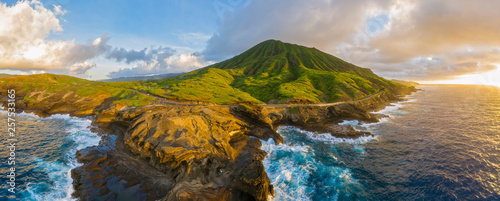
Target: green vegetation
273	71
44	85
270	72
211	84
409	83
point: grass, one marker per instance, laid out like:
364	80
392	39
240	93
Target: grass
273	71
270	72
60	85
212	85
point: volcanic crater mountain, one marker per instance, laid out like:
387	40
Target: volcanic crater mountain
179	151
278	72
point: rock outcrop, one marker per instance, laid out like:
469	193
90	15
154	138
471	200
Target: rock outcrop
207	152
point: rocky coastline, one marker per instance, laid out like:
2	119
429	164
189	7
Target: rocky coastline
172	152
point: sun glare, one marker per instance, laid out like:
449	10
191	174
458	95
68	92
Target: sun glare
487	78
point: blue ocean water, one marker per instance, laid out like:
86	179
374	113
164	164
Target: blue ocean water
45	155
441	144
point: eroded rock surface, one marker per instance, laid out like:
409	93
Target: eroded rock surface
206	151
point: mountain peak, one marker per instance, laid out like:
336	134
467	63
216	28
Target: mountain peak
275	71
277	56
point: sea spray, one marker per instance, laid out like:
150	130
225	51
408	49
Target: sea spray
298	172
49	154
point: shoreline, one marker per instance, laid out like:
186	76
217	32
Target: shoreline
119	121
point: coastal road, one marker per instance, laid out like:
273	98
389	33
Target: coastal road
163	100
320	104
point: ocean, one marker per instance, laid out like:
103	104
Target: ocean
443	143
45	154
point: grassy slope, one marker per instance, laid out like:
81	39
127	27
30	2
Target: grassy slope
37	87
408	83
277	71
271	71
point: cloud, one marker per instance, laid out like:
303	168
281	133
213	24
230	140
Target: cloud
430	68
24	27
461	35
81	68
395	38
82	52
322	24
186	62
162	62
23	45
420	40
433	27
129	56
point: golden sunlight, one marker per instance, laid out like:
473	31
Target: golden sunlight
487	78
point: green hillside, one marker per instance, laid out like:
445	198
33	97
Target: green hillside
270	72
50	87
273	71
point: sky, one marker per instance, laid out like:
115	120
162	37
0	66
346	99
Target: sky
428	41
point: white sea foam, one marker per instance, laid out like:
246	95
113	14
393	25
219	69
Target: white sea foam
391	112
350	122
327	137
394	108
284	173
296	174
59	171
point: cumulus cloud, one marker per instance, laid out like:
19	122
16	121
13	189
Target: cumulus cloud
186	62
420	40
81	68
161	62
24	28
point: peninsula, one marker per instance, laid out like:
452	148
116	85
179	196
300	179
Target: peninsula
198	135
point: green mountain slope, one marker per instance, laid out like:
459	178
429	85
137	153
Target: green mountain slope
272	72
50	88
